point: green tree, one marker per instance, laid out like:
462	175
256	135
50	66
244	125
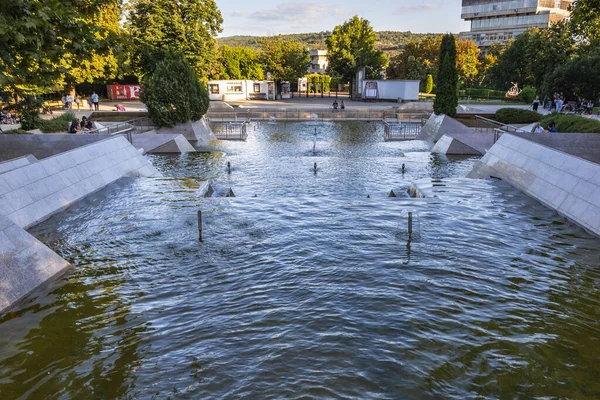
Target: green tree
173	93
286	60
238	63
189	27
351	47
429	84
578	78
36	36
467	58
446	99
585	22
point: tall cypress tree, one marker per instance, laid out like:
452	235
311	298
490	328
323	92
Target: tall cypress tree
446	99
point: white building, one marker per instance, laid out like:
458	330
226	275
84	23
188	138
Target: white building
496	21
232	90
318	61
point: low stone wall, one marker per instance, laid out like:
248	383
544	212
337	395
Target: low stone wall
583	145
25	263
32	193
568	184
42	146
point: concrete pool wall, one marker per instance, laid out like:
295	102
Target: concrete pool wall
32	190
568	184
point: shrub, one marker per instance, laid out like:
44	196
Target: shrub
517	116
429	84
173	93
527	95
571	123
56	124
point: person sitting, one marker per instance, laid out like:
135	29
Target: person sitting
343	107
74	128
86	124
119	107
538	129
552	127
335	105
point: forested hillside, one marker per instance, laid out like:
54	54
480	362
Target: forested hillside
390	42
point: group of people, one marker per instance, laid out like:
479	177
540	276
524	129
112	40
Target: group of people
340	107
538	129
84	125
557	103
68	100
8	117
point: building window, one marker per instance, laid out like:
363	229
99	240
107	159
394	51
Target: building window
213	88
257	88
234	87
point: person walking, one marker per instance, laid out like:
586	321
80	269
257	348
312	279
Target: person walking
536	104
77	101
90	102
69	100
95	100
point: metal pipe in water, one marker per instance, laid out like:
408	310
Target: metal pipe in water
410	224
228	167
200	226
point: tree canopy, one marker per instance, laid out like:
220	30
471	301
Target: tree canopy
188	27
173	93
351	47
41	42
286	60
238	63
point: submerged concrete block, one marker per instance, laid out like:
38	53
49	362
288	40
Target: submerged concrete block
439	125
198	132
162	143
453	146
25	263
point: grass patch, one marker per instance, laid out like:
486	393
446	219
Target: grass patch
56	124
571	123
517	116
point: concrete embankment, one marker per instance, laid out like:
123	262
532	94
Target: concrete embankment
566	183
32	190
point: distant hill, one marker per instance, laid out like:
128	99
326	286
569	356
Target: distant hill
390	42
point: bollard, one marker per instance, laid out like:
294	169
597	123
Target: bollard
410	224
228	167
200	226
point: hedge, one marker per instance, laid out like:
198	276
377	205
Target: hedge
56	124
571	123
16	132
517	116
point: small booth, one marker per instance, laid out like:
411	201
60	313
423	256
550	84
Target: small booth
232	90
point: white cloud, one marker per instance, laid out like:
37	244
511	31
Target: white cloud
306	12
239	14
418	7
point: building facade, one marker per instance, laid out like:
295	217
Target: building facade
318	61
496	21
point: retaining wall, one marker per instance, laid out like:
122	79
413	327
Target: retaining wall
42	146
568	184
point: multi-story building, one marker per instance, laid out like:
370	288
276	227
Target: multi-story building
318	61
496	21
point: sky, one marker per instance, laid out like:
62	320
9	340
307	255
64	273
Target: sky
272	17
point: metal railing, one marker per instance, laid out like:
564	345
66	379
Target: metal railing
400	131
484	125
315	114
231	130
